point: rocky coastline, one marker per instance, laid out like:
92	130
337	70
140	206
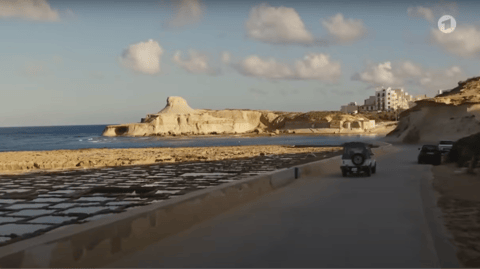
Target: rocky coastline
178	118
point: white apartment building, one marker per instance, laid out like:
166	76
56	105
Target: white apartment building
403	98
385	99
352	107
393	99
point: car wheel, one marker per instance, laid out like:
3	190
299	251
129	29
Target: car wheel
344	173
368	171
374	169
358	159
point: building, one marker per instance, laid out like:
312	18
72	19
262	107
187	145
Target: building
352	107
402	99
357	124
420	97
369	104
416	98
385	99
388	99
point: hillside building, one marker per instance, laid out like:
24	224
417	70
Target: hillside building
389	99
368	105
352	107
385	99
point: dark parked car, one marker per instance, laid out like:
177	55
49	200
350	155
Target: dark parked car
430	154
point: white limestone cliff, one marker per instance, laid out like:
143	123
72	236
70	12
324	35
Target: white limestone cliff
178	118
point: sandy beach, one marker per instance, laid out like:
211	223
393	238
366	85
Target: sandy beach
460	203
35	161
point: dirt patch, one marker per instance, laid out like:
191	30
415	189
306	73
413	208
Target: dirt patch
34	161
460	204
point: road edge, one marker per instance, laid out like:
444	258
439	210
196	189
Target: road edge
101	242
442	238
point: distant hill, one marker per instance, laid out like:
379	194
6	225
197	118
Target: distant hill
451	115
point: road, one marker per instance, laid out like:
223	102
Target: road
327	221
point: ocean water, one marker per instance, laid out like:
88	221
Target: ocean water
90	136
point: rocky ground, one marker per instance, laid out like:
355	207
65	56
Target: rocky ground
460	204
35	203
466	92
449	116
33	161
382	128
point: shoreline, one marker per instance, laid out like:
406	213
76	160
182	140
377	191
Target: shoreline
382	129
21	162
298	132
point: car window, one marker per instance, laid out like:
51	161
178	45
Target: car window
350	151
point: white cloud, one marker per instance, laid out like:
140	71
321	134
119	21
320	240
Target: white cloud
318	66
188	12
35	10
409	69
277	25
442	79
143	57
381	74
256	67
464	41
226	57
313	66
344	31
434	11
196	63
408	73
421	12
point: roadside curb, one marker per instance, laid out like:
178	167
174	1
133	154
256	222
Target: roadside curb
442	238
103	241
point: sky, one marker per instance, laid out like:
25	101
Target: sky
114	61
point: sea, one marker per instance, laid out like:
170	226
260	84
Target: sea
90	136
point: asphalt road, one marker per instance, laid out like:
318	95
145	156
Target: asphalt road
327	221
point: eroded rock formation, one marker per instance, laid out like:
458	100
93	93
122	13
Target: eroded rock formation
179	118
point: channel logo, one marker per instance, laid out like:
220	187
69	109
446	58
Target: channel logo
447	24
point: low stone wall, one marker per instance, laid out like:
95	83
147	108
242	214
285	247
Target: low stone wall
103	241
303	125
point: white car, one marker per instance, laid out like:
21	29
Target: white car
445	146
358	158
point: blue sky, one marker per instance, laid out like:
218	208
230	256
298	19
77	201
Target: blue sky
92	62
